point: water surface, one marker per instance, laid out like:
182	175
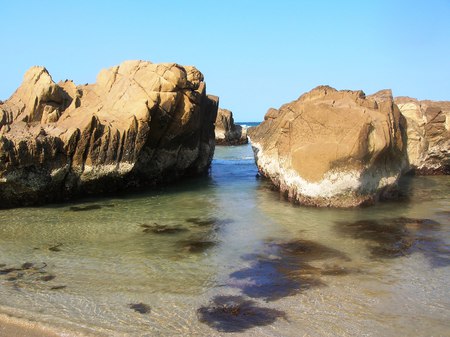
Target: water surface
224	255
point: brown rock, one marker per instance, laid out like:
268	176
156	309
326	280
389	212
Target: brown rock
428	130
140	124
228	133
332	148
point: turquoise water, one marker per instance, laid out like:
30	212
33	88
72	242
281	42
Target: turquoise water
224	255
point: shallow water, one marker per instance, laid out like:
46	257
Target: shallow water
224	255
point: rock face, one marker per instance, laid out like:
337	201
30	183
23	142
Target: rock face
428	130
139	124
332	148
228	133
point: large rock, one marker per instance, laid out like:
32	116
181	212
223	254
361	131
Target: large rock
332	148
228	133
140	124
428	130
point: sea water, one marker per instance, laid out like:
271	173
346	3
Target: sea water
224	254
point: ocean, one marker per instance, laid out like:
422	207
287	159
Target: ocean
224	254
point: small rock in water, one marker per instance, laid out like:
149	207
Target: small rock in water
2	265
140	307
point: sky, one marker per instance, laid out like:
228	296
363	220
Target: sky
254	54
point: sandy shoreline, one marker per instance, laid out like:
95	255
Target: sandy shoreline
19	327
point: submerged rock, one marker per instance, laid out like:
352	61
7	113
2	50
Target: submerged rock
228	133
332	148
140	124
428	130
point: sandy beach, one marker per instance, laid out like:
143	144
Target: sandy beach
15	327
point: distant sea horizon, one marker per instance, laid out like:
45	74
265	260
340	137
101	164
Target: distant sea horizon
248	124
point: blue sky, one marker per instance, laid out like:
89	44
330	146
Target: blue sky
254	54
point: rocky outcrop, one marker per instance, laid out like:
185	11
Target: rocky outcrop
228	133
139	124
428	130
332	148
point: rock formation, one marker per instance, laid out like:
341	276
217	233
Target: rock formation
332	148
428	131
228	133
139	124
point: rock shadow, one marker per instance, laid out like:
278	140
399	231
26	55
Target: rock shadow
395	237
285	269
236	314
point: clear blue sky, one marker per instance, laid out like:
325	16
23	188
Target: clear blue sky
254	54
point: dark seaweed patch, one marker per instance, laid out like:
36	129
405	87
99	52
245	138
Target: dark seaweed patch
306	250
2	265
140	307
6	271
196	246
209	222
389	238
162	229
47	278
28	273
58	287
285	269
55	248
84	208
27	265
236	314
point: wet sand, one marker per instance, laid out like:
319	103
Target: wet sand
14	327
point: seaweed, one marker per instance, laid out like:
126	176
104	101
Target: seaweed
236	314
140	307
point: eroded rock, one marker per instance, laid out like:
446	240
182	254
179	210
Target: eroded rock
428	131
332	148
140	124
228	133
